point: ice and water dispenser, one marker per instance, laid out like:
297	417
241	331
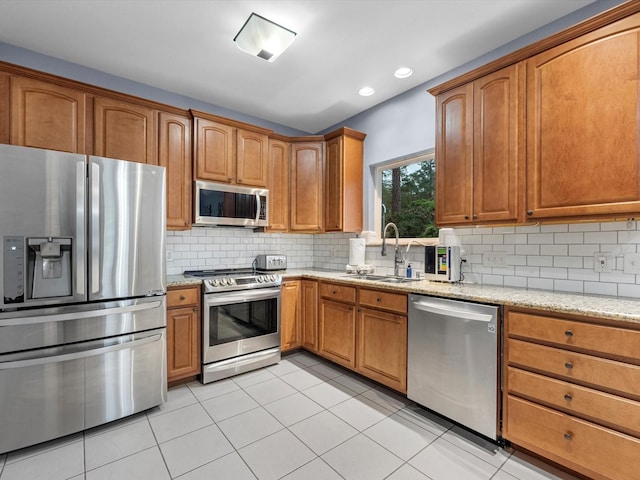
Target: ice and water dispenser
36	268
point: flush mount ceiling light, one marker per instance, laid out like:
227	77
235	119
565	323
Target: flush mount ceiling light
263	38
366	91
403	72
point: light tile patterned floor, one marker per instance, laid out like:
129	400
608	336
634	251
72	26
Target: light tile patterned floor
301	419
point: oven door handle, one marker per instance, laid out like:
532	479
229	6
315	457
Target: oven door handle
244	296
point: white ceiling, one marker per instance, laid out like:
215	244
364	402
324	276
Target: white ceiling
186	46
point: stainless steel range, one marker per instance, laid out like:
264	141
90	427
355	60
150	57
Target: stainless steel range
240	321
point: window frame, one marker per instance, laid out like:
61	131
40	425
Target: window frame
416	157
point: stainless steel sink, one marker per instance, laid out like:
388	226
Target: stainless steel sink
383	278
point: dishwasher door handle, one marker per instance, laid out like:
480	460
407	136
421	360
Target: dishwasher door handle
450	312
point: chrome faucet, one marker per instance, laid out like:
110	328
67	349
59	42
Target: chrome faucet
398	260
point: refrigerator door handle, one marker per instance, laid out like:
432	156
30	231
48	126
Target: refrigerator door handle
89	352
95	227
63	317
80	237
449	312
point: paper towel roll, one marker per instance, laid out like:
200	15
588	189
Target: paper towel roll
356	251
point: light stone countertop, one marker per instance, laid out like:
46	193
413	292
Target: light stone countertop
613	308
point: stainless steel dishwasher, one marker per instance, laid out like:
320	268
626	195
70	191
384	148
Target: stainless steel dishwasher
453	358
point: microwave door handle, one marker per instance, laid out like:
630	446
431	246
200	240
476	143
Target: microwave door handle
95	228
259	207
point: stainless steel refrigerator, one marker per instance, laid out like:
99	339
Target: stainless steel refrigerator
82	292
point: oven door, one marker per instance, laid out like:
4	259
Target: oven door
239	323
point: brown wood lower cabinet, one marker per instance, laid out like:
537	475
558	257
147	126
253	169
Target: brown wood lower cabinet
183	332
309	315
290	318
365	330
577	402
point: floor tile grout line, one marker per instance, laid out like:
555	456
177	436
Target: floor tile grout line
123	457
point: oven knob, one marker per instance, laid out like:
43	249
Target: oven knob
231	281
215	282
260	279
226	281
272	278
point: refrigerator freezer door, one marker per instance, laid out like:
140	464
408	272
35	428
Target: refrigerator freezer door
42	206
48	327
57	391
126	229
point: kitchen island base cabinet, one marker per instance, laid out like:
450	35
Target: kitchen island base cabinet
183	334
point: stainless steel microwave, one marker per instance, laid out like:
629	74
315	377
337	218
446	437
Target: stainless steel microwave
231	205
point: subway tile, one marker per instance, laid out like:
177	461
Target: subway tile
600	237
528	271
551	272
539	261
492	279
559	228
584	227
568	286
610	226
527	250
627	290
600	288
513	281
492	239
584	274
518	238
568	238
583	250
540	283
554	250
540	238
528	229
568	262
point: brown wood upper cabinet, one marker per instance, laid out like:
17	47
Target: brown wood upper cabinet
479	162
227	151
174	153
124	130
344	181
45	115
278	184
306	183
583	141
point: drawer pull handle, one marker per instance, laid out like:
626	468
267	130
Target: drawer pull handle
568	436
182	298
334	292
568	333
569	365
378	299
568	397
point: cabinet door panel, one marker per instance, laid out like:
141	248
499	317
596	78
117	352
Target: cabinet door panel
215	151
290	319
174	153
454	156
48	116
278	176
337	332
582	125
306	186
183	343
310	315
334	181
253	157
382	348
496	150
124	131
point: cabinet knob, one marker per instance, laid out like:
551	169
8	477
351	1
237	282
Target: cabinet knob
378	299
475	217
466	217
182	298
239	180
229	178
195	310
568	333
569	365
529	212
568	436
334	292
568	397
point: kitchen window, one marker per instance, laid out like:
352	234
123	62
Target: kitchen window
405	195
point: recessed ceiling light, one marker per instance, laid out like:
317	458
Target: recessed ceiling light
366	91
403	72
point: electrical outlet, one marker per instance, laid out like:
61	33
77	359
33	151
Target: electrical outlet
494	259
632	263
602	262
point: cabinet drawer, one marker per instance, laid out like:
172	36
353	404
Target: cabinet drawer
181	297
396	302
615	376
596	451
338	292
620	342
616	412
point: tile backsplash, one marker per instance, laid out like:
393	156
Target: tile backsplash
549	257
